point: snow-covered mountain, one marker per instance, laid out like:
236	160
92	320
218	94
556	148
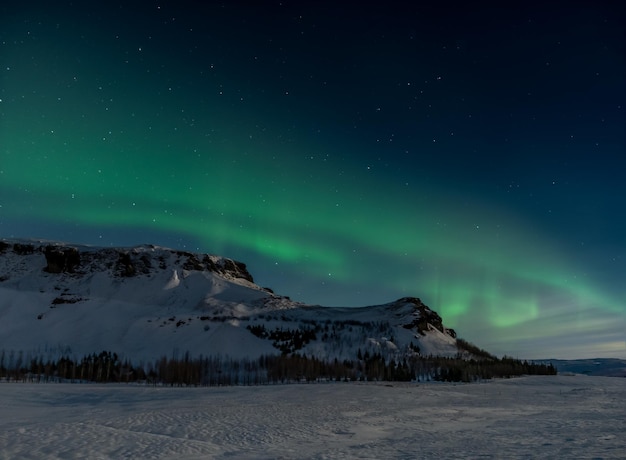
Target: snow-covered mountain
147	301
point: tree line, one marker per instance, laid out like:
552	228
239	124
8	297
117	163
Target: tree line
217	370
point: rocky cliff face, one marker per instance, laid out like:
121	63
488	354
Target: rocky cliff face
424	317
123	262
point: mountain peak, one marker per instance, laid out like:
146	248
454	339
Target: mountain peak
149	300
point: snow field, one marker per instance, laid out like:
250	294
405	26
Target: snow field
530	417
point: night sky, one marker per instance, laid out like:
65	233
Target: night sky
470	155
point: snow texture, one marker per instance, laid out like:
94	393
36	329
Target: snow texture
530	417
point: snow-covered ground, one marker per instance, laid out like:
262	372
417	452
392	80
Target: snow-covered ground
530	417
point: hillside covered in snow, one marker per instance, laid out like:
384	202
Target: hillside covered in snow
147	302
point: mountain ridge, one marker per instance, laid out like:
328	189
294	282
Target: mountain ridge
605	367
149	313
53	292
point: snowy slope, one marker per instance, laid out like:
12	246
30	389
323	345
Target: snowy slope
146	302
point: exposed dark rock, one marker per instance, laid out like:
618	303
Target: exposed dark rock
162	263
125	266
61	259
126	262
192	263
209	264
424	317
237	269
130	263
23	249
146	263
224	266
65	300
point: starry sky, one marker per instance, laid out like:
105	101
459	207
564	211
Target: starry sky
350	154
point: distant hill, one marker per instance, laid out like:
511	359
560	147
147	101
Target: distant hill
597	367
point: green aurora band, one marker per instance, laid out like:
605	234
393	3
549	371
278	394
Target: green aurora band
451	251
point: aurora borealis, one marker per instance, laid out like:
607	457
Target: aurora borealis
472	156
